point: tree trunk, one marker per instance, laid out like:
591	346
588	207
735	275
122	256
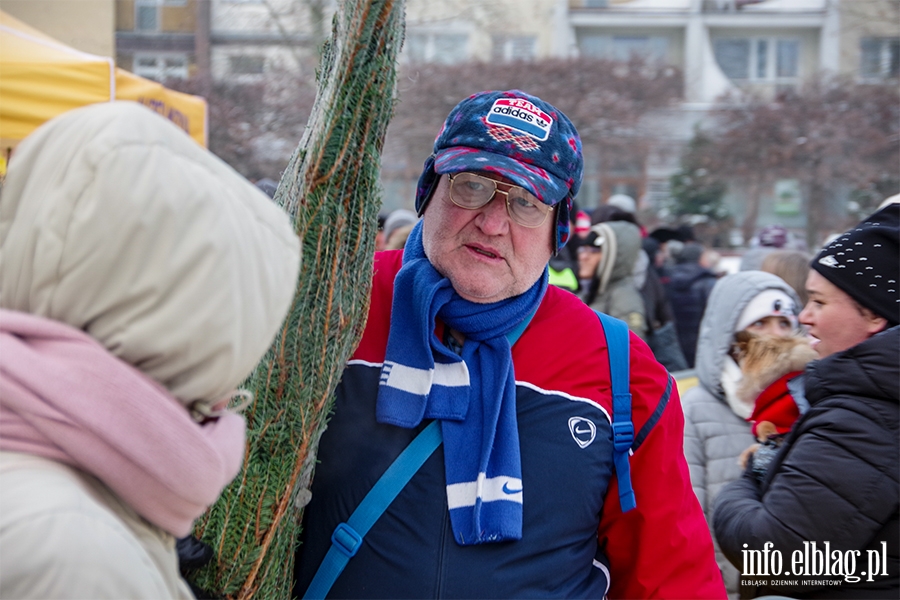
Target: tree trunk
330	188
815	211
751	210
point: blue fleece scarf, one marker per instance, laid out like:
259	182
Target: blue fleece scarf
473	396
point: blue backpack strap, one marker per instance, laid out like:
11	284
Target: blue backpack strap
347	537
514	335
618	350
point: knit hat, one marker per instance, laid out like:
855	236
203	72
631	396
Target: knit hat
773	236
622	202
268	186
864	262
768	303
398	219
582	223
512	134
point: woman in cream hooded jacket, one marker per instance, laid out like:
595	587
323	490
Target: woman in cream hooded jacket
716	430
141	280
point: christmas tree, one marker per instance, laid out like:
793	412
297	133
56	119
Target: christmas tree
330	189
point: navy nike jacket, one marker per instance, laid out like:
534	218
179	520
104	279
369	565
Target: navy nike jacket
576	542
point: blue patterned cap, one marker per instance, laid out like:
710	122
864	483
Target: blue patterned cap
517	136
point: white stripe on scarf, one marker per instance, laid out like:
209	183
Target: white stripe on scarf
489	490
419	381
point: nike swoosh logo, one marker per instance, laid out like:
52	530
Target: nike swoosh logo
582	430
508	491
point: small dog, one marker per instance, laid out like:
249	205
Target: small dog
764	360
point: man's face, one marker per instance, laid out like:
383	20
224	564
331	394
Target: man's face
486	255
834	319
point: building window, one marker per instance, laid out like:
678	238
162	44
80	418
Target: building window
443	48
758	59
623	47
160	67
626	46
787	59
146	13
879	58
507	48
245	64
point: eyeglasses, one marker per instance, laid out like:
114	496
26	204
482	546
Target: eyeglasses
471	191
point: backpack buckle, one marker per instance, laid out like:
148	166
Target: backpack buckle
623	436
346	539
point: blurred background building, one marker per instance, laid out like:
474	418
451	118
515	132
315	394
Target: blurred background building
255	61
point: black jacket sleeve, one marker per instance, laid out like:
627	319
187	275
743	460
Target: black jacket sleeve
835	481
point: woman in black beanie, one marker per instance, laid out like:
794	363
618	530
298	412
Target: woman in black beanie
829	509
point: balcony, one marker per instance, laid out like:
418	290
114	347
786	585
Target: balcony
135	41
631	6
726	6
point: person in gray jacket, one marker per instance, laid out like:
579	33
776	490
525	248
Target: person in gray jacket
716	430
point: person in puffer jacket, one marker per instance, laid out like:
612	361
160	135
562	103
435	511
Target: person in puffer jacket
716	430
688	287
833	487
141	280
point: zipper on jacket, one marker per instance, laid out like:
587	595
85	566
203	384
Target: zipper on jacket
445	529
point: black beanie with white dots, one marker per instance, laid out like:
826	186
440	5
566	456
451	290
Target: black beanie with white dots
864	262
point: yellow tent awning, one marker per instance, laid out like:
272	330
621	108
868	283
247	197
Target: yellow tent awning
185	110
41	78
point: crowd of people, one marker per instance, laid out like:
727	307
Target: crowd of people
516	440
658	282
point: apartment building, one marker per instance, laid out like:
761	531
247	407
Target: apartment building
870	39
156	39
252	38
235	40
502	30
718	45
760	46
87	25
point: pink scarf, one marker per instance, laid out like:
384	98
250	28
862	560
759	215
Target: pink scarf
63	396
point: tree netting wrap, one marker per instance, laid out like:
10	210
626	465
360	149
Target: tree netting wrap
330	188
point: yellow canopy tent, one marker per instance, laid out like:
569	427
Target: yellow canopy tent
41	78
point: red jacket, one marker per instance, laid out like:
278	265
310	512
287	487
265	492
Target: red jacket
661	549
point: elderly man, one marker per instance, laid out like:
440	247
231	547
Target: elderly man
832	492
521	499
